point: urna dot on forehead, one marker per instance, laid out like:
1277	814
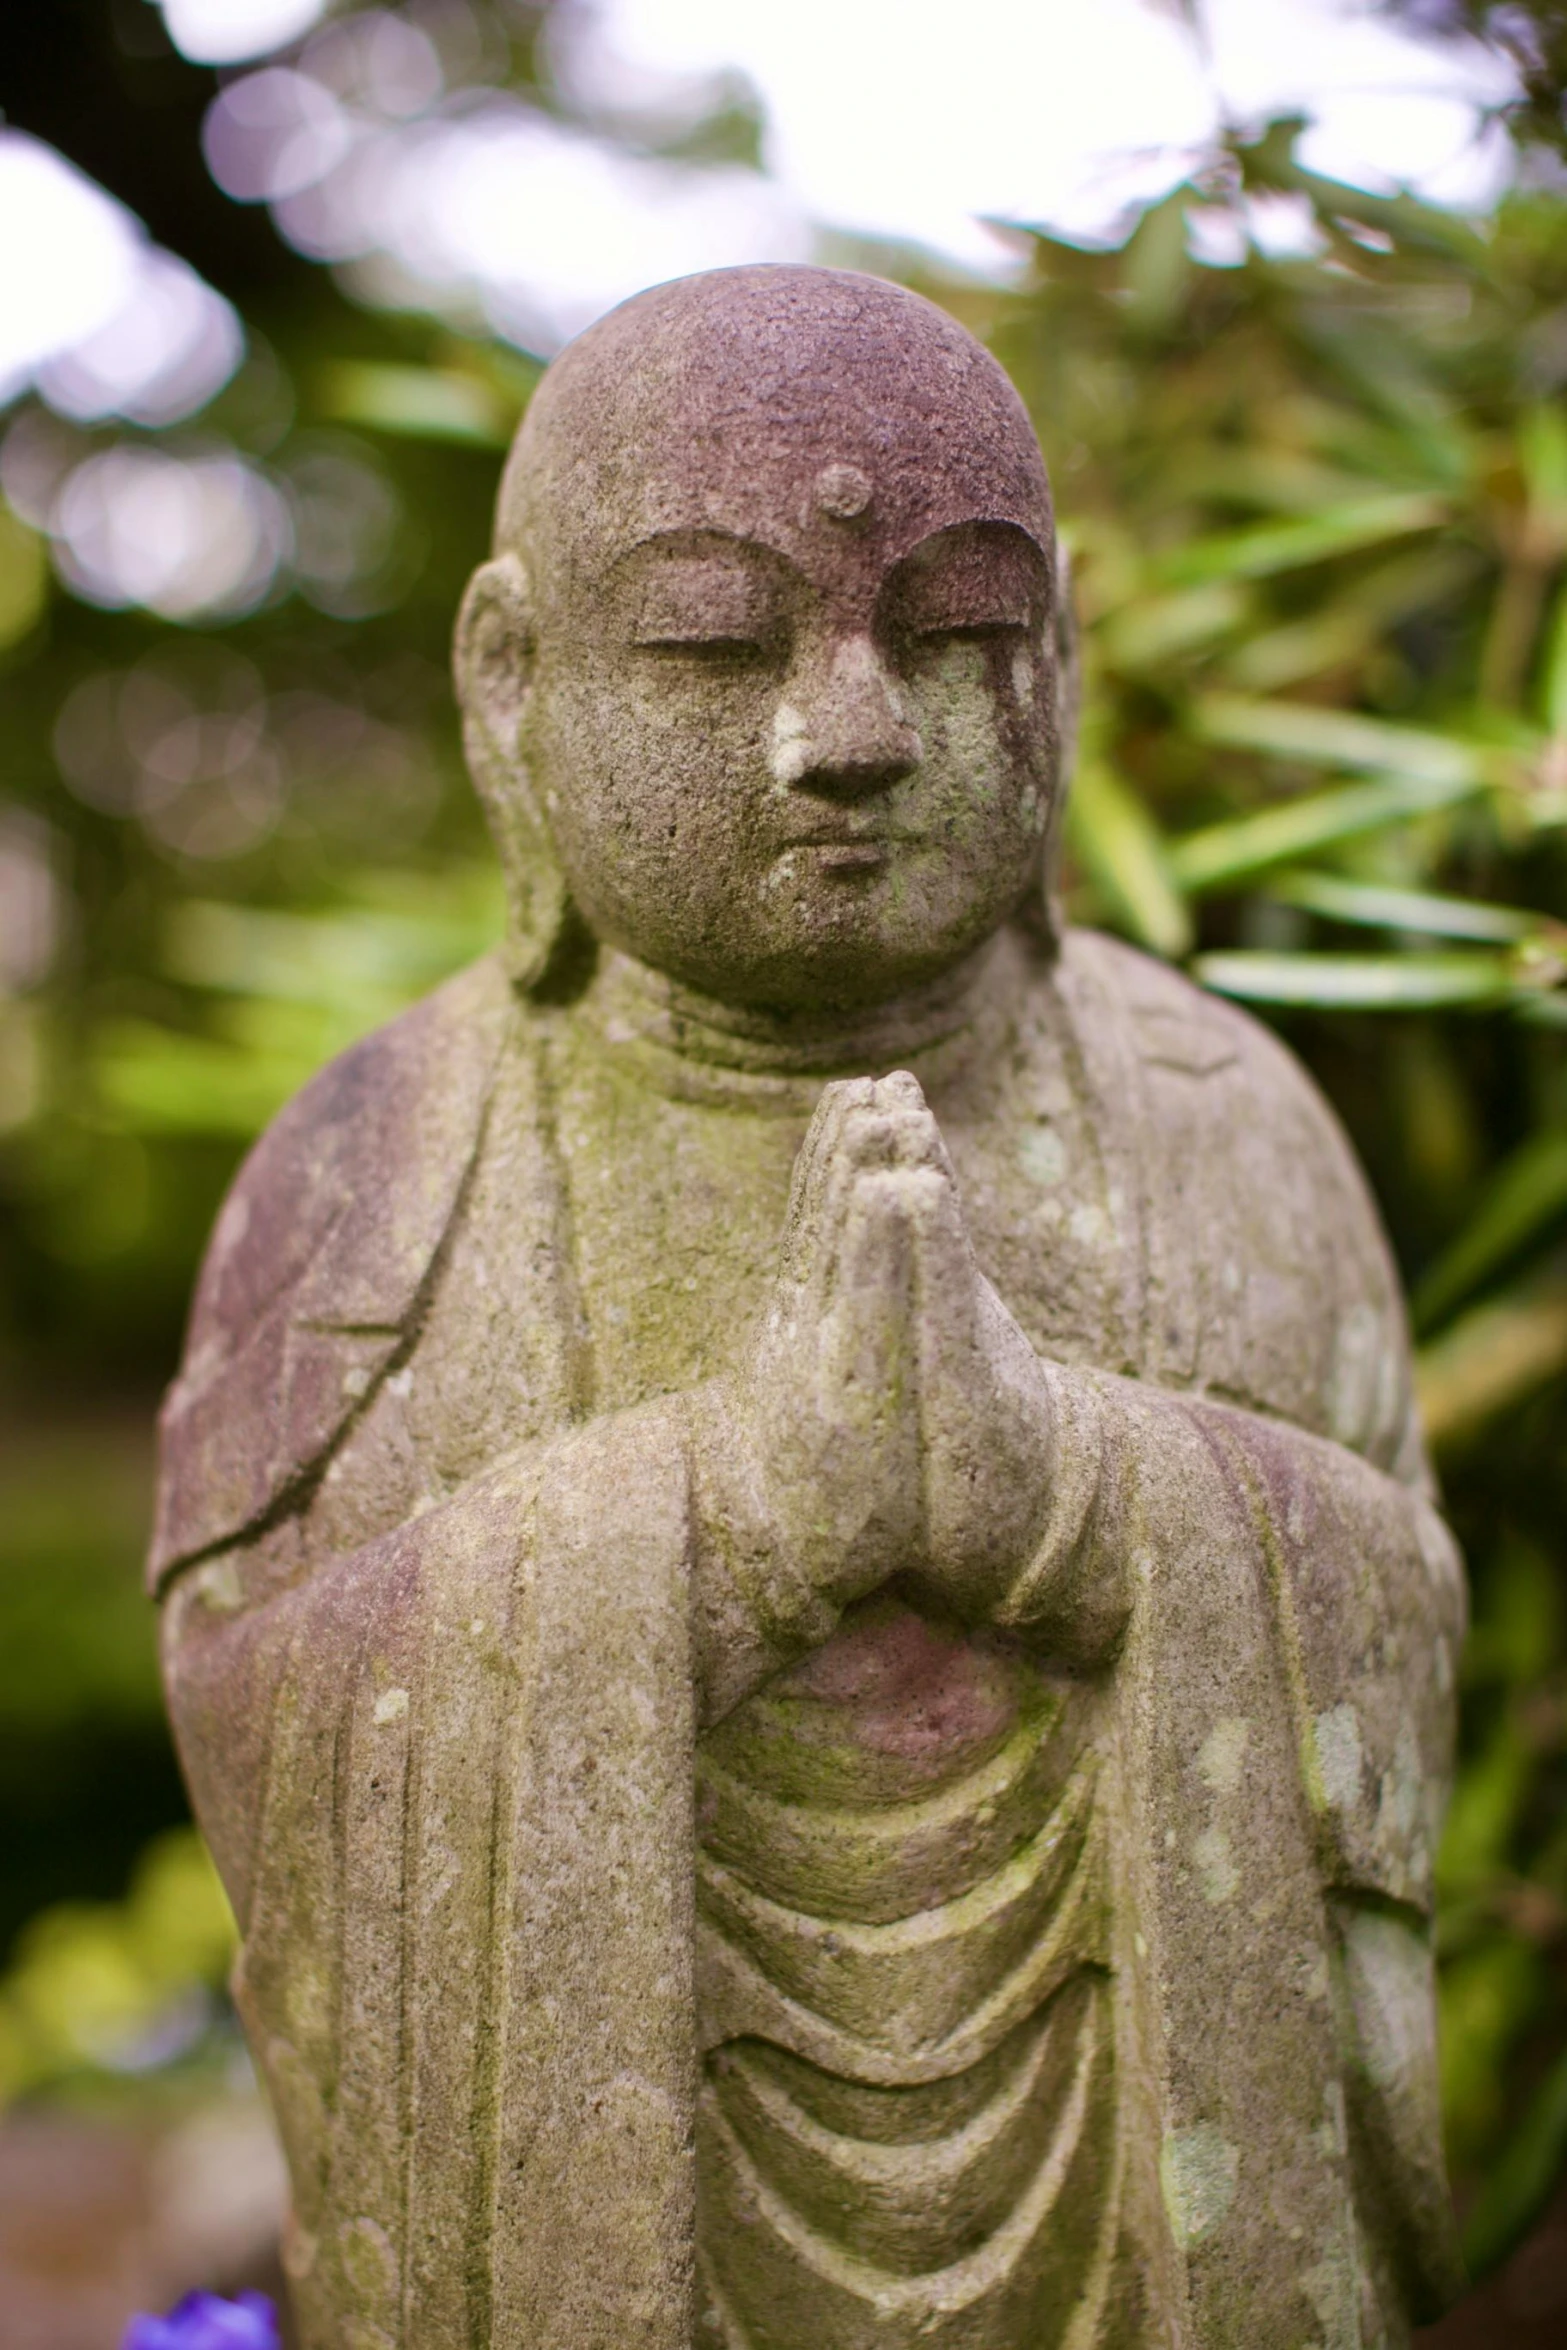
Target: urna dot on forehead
766	401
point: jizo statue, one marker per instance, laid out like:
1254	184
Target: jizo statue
799	1588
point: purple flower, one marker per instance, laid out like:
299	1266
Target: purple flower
202	2322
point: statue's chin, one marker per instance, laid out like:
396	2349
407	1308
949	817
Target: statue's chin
825	933
822	974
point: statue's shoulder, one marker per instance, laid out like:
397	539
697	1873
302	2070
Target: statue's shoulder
318	1258
387	1125
1141	1006
1242	1166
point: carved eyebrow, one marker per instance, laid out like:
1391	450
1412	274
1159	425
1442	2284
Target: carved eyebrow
970	575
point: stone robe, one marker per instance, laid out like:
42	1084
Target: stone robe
638	1958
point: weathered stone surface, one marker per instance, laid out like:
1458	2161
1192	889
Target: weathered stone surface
798	1584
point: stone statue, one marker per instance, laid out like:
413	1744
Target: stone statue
799	1589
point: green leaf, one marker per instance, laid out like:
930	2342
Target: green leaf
1541	440
1281	480
380	954
160	1081
1219	855
1158	628
1525	1198
74	1504
1554	676
1521	2181
1350	628
24	579
1309	735
1378	907
1358	983
1488	2000
1304	648
1490	1359
91	1982
1268	548
1487	1805
417	403
1519	1625
1122	850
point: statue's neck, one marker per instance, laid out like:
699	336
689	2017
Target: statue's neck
633	1006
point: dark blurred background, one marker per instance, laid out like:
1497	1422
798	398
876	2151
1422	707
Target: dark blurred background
1310	446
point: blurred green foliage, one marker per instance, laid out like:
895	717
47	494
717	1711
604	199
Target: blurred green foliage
1310	451
1318	510
122	1989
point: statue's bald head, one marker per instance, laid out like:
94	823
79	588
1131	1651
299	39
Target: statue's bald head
762	676
776	403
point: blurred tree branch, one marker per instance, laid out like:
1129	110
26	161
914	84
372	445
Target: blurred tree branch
1532	33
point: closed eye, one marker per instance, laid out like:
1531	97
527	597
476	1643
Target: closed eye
704	602
970	631
708	648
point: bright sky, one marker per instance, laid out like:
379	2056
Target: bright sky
914	120
905	118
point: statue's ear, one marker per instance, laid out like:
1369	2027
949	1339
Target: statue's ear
1068	673
494	658
1066	669
1042	911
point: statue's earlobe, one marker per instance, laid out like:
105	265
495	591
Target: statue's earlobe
1043	911
1067	670
493	661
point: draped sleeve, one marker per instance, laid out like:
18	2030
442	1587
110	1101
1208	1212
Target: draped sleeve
448	1778
445	1762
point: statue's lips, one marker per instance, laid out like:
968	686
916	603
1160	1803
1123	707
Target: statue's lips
849	852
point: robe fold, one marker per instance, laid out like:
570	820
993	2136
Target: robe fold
448	1770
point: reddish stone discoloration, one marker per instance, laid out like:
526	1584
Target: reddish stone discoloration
317	1263
902	1685
719	402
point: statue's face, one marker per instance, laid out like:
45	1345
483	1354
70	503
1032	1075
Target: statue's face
780	664
789	781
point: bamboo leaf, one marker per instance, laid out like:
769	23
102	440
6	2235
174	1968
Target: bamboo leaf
1541	441
1315	737
1376	906
381	955
1123	851
417	403
1361	983
1492	1358
1489	1997
24	579
160	1081
1303	648
1281	481
1554	682
1482	1820
1265	549
1517	2189
1348	629
1219	855
1525	1198
1156	628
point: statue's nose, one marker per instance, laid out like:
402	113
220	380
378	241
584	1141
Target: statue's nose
845	731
